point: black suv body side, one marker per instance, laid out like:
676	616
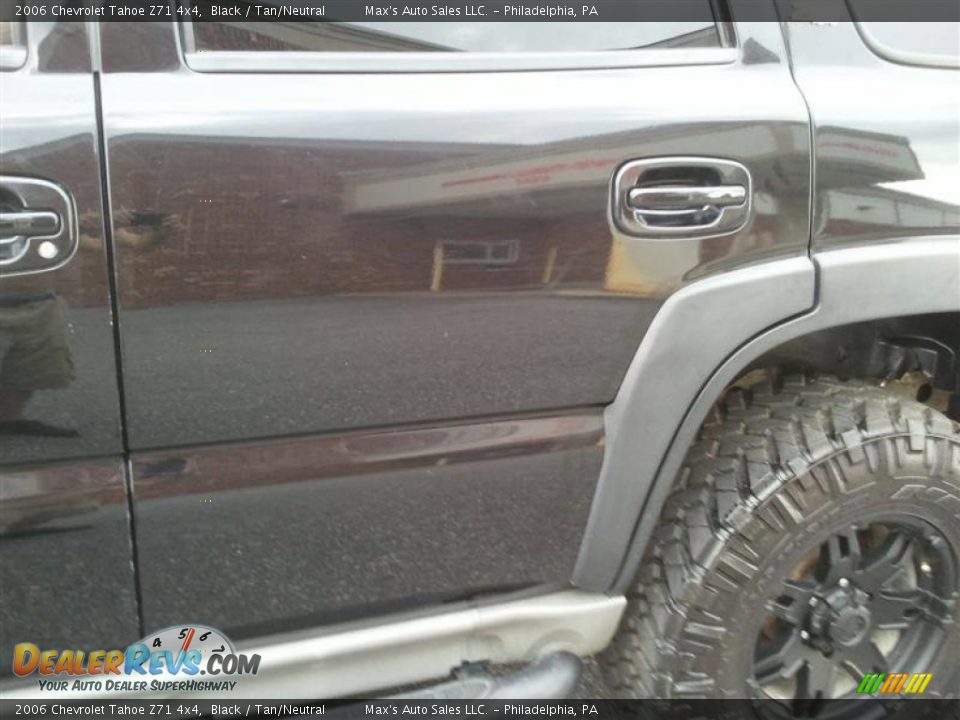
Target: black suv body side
336	339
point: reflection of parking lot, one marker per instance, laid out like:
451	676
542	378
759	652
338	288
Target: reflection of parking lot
281	367
74	562
84	408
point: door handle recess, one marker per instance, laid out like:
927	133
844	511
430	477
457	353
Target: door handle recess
681	197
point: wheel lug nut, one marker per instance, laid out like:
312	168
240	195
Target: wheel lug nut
844	583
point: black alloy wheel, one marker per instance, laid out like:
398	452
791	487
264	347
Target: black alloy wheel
811	538
874	598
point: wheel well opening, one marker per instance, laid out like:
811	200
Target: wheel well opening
917	356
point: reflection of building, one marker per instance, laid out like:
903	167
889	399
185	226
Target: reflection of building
512	217
564	192
855	177
863	159
197	219
243	237
855	212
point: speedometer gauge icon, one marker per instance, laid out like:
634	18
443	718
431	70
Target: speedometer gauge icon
180	639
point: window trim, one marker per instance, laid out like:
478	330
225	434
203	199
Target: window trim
904	57
255	61
14	55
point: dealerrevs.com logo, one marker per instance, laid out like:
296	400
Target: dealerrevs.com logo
179	659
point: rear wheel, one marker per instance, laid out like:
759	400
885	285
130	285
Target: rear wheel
812	538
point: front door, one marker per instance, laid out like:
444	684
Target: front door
66	570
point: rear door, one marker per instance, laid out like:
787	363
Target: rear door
66	570
373	296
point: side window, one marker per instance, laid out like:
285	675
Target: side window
13	51
445	37
918	43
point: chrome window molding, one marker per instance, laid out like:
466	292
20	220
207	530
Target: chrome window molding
386	62
904	57
234	61
14	55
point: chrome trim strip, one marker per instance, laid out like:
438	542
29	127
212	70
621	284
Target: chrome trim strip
904	57
186	37
685	197
634	221
363	657
380	62
12	57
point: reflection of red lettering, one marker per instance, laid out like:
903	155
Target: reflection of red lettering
536	174
533	180
587	164
471	181
546	170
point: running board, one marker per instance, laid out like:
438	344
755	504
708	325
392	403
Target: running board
426	647
362	658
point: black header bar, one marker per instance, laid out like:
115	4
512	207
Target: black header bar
412	709
473	11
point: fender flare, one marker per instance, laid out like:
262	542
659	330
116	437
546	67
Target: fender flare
702	338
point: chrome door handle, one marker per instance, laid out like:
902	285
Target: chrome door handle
38	226
673	198
27	223
684	197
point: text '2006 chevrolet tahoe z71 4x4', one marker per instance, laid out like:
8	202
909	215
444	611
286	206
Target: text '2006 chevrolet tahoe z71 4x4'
383	347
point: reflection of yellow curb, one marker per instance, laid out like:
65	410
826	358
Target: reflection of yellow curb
437	274
549	265
623	276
